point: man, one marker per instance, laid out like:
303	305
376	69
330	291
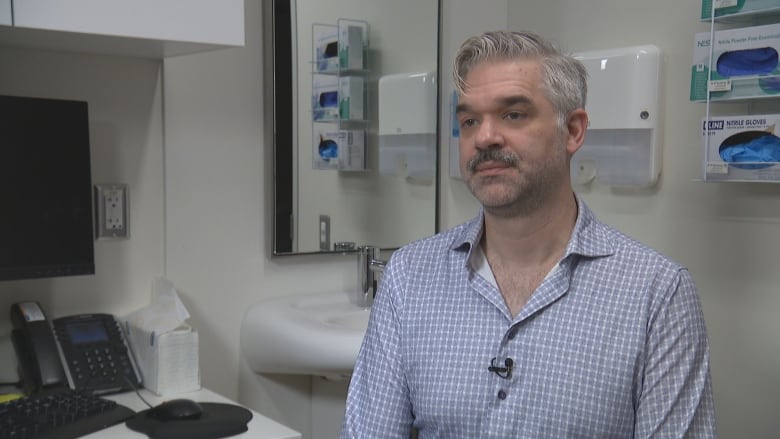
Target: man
534	320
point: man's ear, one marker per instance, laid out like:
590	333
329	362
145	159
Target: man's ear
576	125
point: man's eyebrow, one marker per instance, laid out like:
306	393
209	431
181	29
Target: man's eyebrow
462	108
509	101
506	101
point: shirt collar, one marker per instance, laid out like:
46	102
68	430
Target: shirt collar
588	239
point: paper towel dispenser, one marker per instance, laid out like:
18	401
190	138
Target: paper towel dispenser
623	142
407	124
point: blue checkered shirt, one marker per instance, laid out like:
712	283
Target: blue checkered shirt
612	344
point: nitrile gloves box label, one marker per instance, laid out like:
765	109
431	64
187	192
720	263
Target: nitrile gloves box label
744	64
729	7
741	148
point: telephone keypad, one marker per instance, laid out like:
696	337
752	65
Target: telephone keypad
98	358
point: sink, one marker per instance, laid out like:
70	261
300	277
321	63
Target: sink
316	334
357	320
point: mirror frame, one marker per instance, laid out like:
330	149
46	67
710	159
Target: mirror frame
277	30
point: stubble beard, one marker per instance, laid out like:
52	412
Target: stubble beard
522	192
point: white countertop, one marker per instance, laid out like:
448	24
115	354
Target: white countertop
260	427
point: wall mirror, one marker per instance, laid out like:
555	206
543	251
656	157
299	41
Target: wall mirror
355	96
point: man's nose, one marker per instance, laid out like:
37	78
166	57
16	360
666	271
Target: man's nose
488	135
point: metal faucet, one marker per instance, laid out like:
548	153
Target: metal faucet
370	268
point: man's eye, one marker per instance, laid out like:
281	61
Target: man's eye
467	123
514	115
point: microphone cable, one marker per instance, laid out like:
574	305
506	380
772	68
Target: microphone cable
504	371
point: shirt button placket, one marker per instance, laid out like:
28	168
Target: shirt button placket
512	332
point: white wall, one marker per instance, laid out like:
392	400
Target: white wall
125	112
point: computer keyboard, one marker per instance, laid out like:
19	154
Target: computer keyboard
60	414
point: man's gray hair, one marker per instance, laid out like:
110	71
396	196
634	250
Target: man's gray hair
564	78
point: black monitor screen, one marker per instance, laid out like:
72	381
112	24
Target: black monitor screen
45	189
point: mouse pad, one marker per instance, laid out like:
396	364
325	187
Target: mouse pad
218	420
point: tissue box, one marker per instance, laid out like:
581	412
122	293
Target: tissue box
753	136
169	361
744	64
728	7
344	150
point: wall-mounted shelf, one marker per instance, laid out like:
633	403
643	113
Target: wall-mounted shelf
738	65
731	12
342	72
338	103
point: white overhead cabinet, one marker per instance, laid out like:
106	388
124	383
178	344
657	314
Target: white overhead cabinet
201	21
149	28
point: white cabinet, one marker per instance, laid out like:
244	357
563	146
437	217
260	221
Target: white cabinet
148	28
5	12
201	21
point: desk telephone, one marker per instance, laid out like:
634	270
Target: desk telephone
84	352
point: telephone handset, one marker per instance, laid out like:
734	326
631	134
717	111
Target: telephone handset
39	359
86	352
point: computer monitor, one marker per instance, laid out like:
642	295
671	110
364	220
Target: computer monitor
46	220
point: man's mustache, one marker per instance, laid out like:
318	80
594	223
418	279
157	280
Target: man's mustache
492	155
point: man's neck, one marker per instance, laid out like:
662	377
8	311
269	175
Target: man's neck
530	240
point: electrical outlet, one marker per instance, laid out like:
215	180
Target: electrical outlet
111	204
324	232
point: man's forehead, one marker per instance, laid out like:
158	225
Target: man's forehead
514	100
490	72
506	83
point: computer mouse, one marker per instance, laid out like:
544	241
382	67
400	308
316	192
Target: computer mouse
176	410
